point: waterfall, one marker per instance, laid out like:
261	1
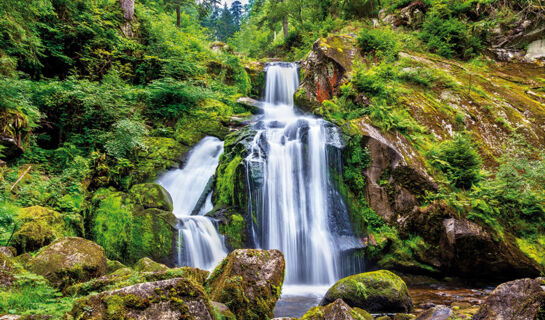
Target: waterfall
296	206
199	244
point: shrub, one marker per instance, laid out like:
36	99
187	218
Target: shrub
127	138
382	42
459	160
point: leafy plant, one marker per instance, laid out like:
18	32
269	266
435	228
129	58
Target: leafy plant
126	139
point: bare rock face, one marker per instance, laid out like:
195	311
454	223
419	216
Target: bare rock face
70	260
248	282
337	310
326	68
522	299
172	299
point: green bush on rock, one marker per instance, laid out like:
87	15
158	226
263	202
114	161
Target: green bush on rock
377	291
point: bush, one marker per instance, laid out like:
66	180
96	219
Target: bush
459	160
382	42
127	138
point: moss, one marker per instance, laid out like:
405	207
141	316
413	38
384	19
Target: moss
151	195
114	265
161	154
235	230
148	265
40	227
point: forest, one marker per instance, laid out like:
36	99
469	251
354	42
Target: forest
389	151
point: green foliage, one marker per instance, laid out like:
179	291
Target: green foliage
126	139
8	221
382	42
458	159
32	295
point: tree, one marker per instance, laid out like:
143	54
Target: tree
225	25
237	12
128	9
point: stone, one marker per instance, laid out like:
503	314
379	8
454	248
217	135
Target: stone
171	299
151	196
40	227
377	291
148	265
70	260
515	300
439	312
337	310
9	252
249	282
223	310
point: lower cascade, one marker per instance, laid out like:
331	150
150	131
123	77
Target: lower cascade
294	202
199	244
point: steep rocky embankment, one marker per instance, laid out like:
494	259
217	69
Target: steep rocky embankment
491	101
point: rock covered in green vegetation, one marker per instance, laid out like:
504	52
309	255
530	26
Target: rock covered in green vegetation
172	299
249	282
8	251
127	230
377	291
514	300
337	310
40	227
70	260
148	265
151	195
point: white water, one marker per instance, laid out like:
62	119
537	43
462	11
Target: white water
199	244
294	200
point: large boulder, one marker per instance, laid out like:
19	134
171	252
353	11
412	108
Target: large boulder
325	69
249	282
148	265
172	299
337	310
377	291
70	260
515	300
151	195
40	227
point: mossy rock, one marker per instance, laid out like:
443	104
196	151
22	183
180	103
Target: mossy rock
114	265
249	282
222	312
40	227
151	195
377	291
148	265
70	260
171	299
337	310
8	251
161	154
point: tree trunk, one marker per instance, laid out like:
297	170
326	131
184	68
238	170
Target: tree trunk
178	16
285	26
128	9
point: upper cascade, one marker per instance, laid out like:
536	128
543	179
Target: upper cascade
297	207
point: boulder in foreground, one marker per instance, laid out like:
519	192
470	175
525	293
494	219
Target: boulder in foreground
70	260
515	300
377	291
172	299
249	282
337	310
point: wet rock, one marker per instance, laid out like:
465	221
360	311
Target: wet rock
151	196
536	51
70	260
325	69
337	310
377	291
167	300
40	227
9	252
249	282
223	310
515	300
436	313
148	265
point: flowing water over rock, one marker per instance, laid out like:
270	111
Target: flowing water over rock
293	200
199	244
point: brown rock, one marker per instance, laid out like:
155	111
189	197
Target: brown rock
436	313
249	282
522	299
337	310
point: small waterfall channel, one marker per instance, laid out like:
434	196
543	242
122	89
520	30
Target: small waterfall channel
293	199
199	243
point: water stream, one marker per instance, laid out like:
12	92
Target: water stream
296	205
199	244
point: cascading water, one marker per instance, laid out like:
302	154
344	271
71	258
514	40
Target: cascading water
293	199
199	244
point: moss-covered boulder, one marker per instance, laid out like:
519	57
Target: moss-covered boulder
519	299
40	227
70	260
8	251
337	310
151	195
249	282
167	300
127	230
148	265
114	265
377	291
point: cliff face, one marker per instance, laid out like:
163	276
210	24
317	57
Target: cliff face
490	101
